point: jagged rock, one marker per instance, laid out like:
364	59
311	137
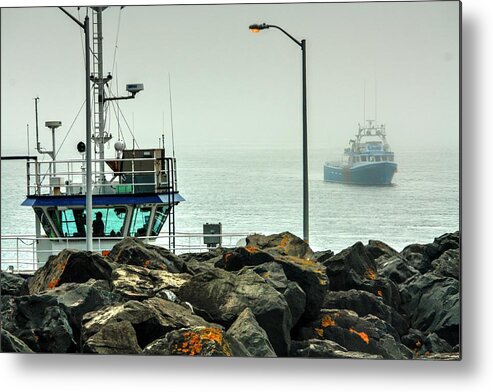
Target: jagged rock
247	331
383	288
193	341
376	249
134	251
12	344
448	264
364	334
11	284
151	319
312	279
396	268
273	273
78	299
316	348
283	244
447	241
434	344
433	305
115	337
348	268
413	340
238	258
220	296
417	257
322	256
139	283
39	321
364	303
69	266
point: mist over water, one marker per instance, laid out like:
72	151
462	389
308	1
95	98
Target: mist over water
260	190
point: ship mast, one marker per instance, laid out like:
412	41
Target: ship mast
100	137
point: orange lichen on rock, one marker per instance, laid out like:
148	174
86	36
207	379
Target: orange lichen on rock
194	341
251	249
379	293
284	241
319	332
370	274
327	321
362	335
146	264
53	283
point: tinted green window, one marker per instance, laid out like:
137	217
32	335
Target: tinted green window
159	218
140	222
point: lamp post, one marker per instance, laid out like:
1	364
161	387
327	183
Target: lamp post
255	28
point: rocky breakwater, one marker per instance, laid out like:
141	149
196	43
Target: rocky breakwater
273	297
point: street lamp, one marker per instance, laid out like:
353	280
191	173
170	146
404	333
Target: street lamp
256	28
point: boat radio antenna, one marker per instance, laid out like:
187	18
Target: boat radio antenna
38	147
171	111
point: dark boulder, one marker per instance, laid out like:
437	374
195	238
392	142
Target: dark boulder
139	283
151	319
348	268
273	273
282	244
447	241
39	321
238	258
448	264
396	268
312	279
416	256
134	251
316	348
364	303
220	296
69	266
378	249
322	256
413	340
11	284
434	344
364	334
433	305
383	288
250	334
115	337
12	344
78	299
193	341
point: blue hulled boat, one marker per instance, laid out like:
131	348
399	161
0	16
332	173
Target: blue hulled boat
368	160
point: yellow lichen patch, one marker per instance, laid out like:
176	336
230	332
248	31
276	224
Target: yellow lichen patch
319	332
370	274
379	293
362	335
266	275
327	321
251	249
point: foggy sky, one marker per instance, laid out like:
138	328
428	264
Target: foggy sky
233	88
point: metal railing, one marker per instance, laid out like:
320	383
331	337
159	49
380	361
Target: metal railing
19	253
125	175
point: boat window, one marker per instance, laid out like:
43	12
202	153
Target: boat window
140	222
113	221
391	158
363	159
45	223
377	158
159	218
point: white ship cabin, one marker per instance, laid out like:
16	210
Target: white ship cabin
133	195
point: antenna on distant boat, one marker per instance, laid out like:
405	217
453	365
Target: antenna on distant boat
364	103
171	110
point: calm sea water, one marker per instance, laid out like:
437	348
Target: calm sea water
260	191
